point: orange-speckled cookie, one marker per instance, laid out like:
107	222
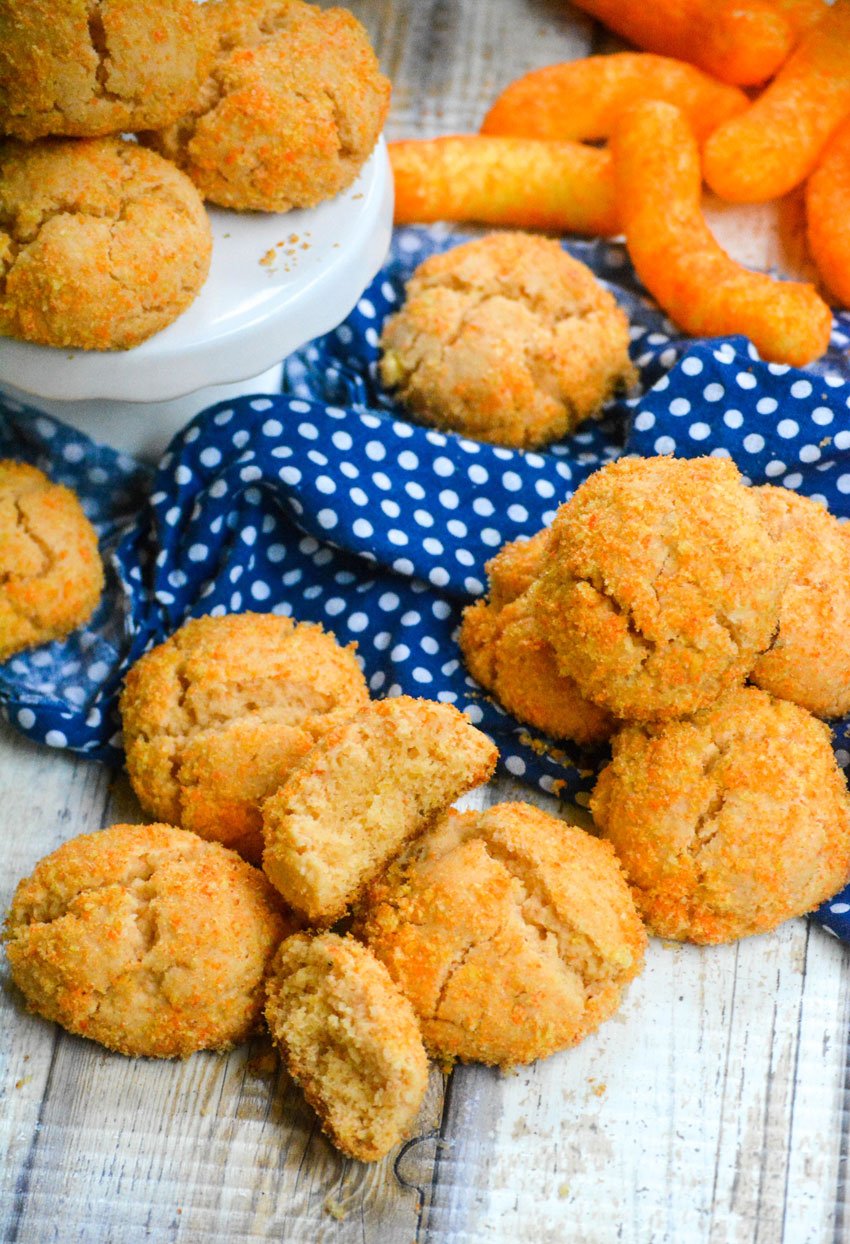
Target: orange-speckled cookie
291	111
146	939
351	1040
86	68
102	243
216	717
508	339
511	932
506	652
730	822
809	659
368	786
662	585
51	575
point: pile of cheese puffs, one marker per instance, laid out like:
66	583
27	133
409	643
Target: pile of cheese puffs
673	115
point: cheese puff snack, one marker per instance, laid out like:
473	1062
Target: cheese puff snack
775	144
741	42
565	187
828	214
583	99
658	188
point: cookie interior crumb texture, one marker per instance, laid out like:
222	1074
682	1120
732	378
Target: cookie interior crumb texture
51	575
87	68
507	338
350	1038
511	932
146	939
730	822
102	243
216	717
368	786
290	112
662	585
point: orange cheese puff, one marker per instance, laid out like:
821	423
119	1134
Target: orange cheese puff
582	99
521	182
775	144
656	161
739	41
801	14
828	215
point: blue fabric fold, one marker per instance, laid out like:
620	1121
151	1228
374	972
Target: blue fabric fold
325	503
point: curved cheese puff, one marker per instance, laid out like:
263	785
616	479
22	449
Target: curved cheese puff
525	183
738	41
656	162
828	214
775	144
801	14
582	99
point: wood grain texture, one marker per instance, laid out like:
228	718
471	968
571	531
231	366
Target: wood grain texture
712	1110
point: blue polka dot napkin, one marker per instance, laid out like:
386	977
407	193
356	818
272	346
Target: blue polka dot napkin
327	504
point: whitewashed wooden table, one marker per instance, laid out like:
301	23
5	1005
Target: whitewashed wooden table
713	1109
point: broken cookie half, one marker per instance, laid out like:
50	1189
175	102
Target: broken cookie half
367	787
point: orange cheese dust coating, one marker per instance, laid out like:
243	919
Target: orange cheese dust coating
350	1038
775	144
508	339
740	41
828	215
730	822
146	939
368	786
809	659
523	183
290	113
102	243
505	651
87	68
51	575
512	933
583	99
662	587
216	717
659	186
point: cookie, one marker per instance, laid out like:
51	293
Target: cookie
368	786
145	939
351	1040
512	933
102	243
662	585
291	110
51	575
730	822
96	68
507	339
217	716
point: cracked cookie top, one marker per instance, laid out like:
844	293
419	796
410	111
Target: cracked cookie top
351	1040
662	586
217	716
291	109
102	243
146	939
86	68
507	338
728	823
512	933
809	659
51	575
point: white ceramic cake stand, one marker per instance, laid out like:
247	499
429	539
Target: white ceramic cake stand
275	282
